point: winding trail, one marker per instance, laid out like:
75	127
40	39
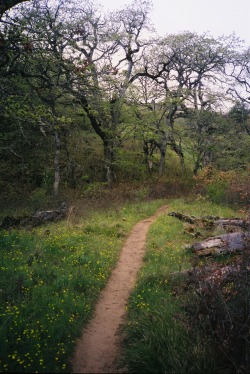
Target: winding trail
97	351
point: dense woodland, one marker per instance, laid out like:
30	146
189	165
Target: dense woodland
89	98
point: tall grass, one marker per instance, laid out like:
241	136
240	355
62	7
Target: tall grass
158	338
50	278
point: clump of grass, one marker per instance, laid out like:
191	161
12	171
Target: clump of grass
50	278
158	335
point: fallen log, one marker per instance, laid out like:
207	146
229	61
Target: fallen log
183	217
226	243
37	219
10	222
50	215
193	219
212	221
237	222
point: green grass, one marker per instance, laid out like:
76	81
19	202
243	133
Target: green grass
49	284
157	336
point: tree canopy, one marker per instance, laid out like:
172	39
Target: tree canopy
71	74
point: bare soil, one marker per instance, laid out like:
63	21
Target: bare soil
98	349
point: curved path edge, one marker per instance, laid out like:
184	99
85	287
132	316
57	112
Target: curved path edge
97	351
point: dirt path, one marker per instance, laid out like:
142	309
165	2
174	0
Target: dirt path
98	349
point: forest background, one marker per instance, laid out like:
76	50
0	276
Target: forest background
92	100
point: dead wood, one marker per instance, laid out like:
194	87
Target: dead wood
183	217
195	220
227	243
230	224
37	219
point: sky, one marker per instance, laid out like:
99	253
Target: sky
219	17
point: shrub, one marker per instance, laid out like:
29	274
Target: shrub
221	310
231	187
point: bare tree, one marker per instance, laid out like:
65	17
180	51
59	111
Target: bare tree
105	51
190	69
8	4
239	71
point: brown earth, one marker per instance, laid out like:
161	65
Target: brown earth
98	350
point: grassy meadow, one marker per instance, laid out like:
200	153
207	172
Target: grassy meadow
51	276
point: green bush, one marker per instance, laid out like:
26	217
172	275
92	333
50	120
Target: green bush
217	191
38	198
231	187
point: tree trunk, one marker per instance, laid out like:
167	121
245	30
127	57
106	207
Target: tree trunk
183	217
178	150
109	159
162	147
197	165
71	165
106	133
56	162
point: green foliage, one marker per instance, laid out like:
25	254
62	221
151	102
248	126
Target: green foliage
228	187
130	164
94	190
217	191
231	144
38	198
39	98
142	194
239	112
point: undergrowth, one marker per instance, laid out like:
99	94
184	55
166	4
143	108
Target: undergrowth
218	303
